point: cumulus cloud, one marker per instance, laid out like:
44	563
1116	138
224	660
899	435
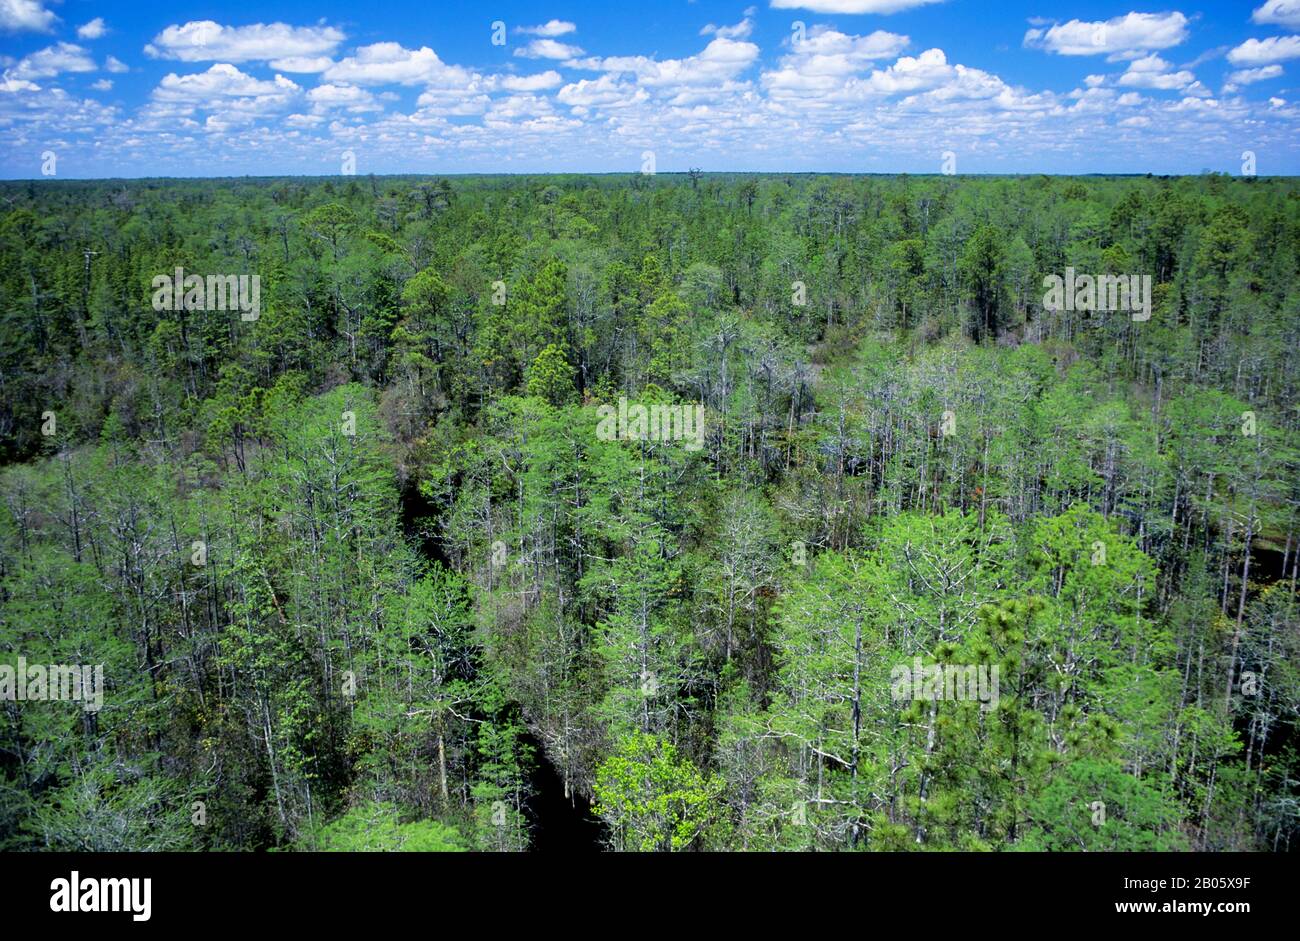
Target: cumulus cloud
1122	37
1261	52
302	63
1155	73
539	82
50	61
229	97
740	31
882	7
205	41
220	81
14	85
604	92
348	97
1279	13
390	63
516	107
55	113
26	16
909	74
548	49
92	30
1251	76
826	57
436	102
826	50
925	83
551	29
720	61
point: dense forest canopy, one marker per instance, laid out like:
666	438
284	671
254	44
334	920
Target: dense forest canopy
356	567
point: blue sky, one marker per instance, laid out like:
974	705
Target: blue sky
1056	86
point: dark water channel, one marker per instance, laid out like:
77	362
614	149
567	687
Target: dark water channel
559	824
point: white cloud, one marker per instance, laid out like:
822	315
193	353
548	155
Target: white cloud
539	82
912	73
1203	105
721	60
221	81
349	97
514	107
50	61
1122	37
95	29
1279	13
551	28
53	113
827	51
548	49
1262	52
925	84
230	97
390	63
451	101
116	65
1154	72
740	31
909	75
302	63
104	84
604	92
204	40
826	57
1250	76
25	16
13	85
882	7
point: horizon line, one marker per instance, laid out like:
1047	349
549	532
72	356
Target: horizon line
635	173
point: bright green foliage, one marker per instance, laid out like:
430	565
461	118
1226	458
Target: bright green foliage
656	801
377	828
1094	807
551	376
